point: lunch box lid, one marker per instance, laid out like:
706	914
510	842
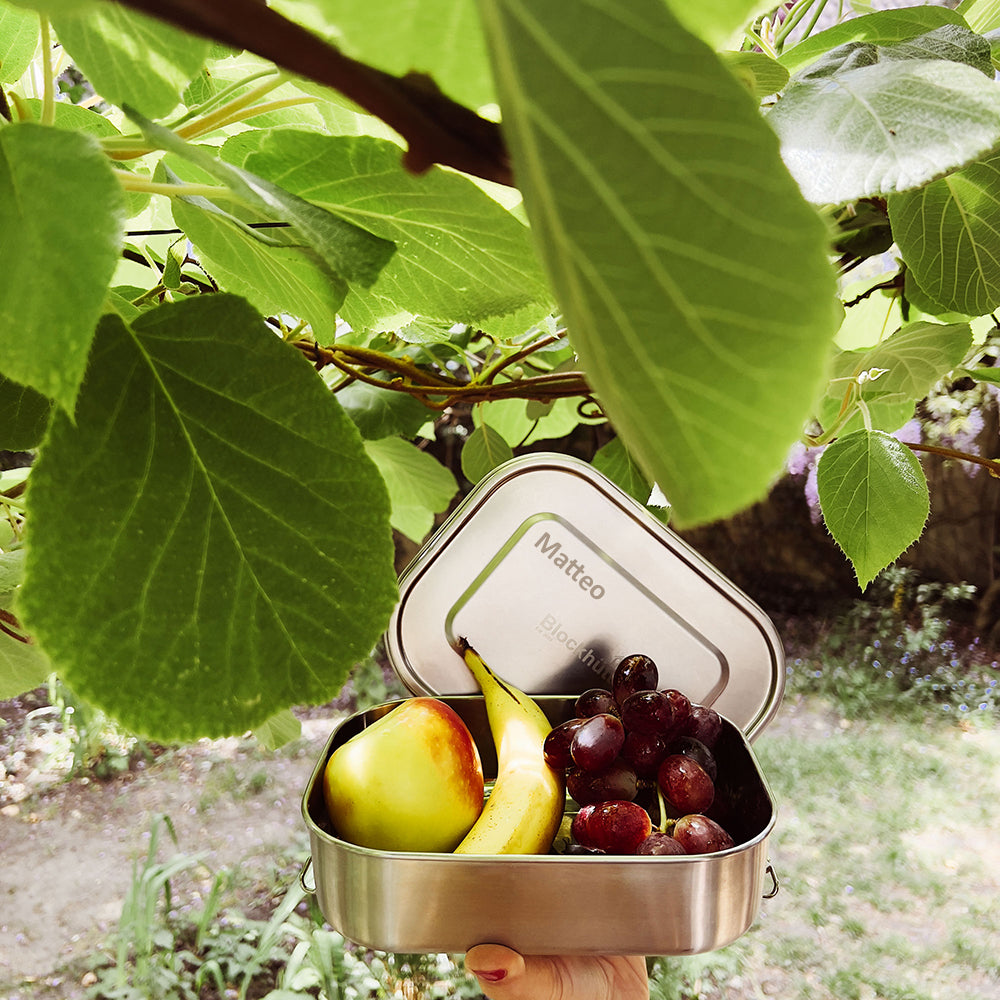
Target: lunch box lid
554	574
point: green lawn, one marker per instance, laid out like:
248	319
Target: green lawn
885	848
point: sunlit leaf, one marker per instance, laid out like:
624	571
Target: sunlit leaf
879	28
419	485
353	253
440	38
18	41
691	275
947	234
459	254
128	56
884	127
279	730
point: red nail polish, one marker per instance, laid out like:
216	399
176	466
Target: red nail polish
493	976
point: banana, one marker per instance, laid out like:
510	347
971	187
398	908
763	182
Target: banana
524	810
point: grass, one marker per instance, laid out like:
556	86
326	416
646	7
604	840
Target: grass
887	886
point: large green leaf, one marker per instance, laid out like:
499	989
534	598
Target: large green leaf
379	413
441	38
23	666
614	461
24	414
460	255
981	15
874	498
880	28
895	373
947	234
760	74
127	56
61	218
484	450
235	556
916	357
263	265
58	6
714	21
18	40
691	275
884	127
419	485
350	251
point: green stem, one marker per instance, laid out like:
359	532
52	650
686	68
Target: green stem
992	466
662	827
512	359
212	121
259	109
131	182
866	414
795	15
48	116
131	147
815	18
219	99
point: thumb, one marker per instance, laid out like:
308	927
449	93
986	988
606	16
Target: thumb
500	972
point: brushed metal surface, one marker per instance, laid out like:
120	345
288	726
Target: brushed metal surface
554	574
552	904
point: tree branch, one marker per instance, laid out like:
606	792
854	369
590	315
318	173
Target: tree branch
436	128
990	465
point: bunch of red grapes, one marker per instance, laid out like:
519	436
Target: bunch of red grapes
637	741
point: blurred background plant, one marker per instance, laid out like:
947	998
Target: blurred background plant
906	648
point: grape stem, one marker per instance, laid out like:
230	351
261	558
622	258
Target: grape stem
664	821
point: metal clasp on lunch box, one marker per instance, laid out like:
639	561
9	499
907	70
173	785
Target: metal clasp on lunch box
311	889
769	870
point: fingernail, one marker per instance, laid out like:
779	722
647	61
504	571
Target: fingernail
492	976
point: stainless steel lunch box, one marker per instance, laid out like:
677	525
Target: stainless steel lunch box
554	574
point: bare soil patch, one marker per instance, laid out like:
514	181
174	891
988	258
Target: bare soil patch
69	846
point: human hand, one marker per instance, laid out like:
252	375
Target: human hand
507	975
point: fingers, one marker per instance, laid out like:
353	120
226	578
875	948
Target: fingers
500	972
503	974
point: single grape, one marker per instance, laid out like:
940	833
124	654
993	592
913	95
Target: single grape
704	724
556	746
580	849
634	673
697	751
578	827
617	781
618	827
657	844
645	752
681	706
595	701
597	742
685	784
648	712
700	835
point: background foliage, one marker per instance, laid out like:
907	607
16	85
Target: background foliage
251	279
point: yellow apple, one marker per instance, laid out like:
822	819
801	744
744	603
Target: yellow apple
411	781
